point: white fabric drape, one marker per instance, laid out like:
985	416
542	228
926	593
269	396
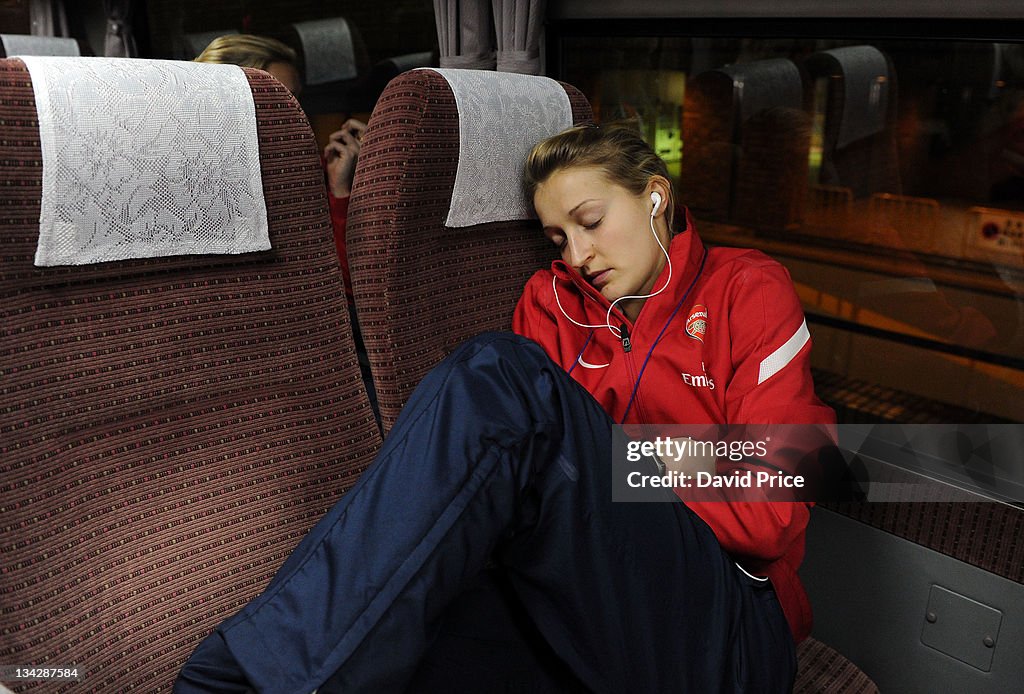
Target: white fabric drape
120	41
517	27
465	34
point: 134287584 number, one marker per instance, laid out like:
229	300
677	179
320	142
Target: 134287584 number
38	672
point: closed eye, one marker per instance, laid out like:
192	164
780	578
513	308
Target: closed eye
558	240
591	227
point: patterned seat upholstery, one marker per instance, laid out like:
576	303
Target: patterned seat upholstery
821	670
422	287
171	427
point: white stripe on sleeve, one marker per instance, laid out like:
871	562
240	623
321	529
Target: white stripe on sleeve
777	360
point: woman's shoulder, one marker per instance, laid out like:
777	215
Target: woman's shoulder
539	284
741	264
750	257
537	290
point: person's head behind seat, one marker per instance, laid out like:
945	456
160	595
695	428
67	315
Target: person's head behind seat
260	52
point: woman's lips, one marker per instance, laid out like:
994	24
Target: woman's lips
599	278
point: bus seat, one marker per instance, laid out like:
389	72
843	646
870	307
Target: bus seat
746	138
423	285
171	426
822	670
859	144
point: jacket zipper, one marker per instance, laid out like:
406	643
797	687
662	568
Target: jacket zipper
626	341
631	372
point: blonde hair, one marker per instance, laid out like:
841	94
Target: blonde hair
247	50
618	149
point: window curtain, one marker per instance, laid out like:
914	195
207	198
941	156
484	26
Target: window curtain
465	34
517	27
47	18
120	41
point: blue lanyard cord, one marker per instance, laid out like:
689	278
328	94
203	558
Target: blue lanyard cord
580	353
636	386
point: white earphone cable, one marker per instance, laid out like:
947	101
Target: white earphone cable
608	316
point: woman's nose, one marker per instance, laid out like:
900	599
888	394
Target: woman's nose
578	251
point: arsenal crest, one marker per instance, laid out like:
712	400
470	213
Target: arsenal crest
697	323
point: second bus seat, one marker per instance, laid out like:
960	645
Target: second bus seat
424	282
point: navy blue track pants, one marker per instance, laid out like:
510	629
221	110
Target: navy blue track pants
501	459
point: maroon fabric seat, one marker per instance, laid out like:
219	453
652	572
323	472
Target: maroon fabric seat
822	670
421	287
171	427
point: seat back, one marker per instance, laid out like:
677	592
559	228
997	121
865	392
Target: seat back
172	426
422	284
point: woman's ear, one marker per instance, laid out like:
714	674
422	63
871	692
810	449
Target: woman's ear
660	190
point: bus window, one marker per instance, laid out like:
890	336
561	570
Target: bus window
887	175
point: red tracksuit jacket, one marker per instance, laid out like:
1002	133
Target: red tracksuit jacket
731	347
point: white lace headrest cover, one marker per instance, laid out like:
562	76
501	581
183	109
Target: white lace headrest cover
501	117
146	158
21	44
328	50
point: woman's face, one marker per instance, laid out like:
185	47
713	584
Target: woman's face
288	75
603	231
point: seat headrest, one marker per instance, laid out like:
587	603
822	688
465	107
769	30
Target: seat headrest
21	44
146	158
328	49
409	61
501	117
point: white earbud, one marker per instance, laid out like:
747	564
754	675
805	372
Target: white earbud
656	199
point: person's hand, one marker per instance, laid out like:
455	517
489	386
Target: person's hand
690	464
341	153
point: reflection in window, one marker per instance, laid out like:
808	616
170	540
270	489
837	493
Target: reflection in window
888	176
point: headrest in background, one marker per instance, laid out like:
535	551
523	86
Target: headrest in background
329	50
21	44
